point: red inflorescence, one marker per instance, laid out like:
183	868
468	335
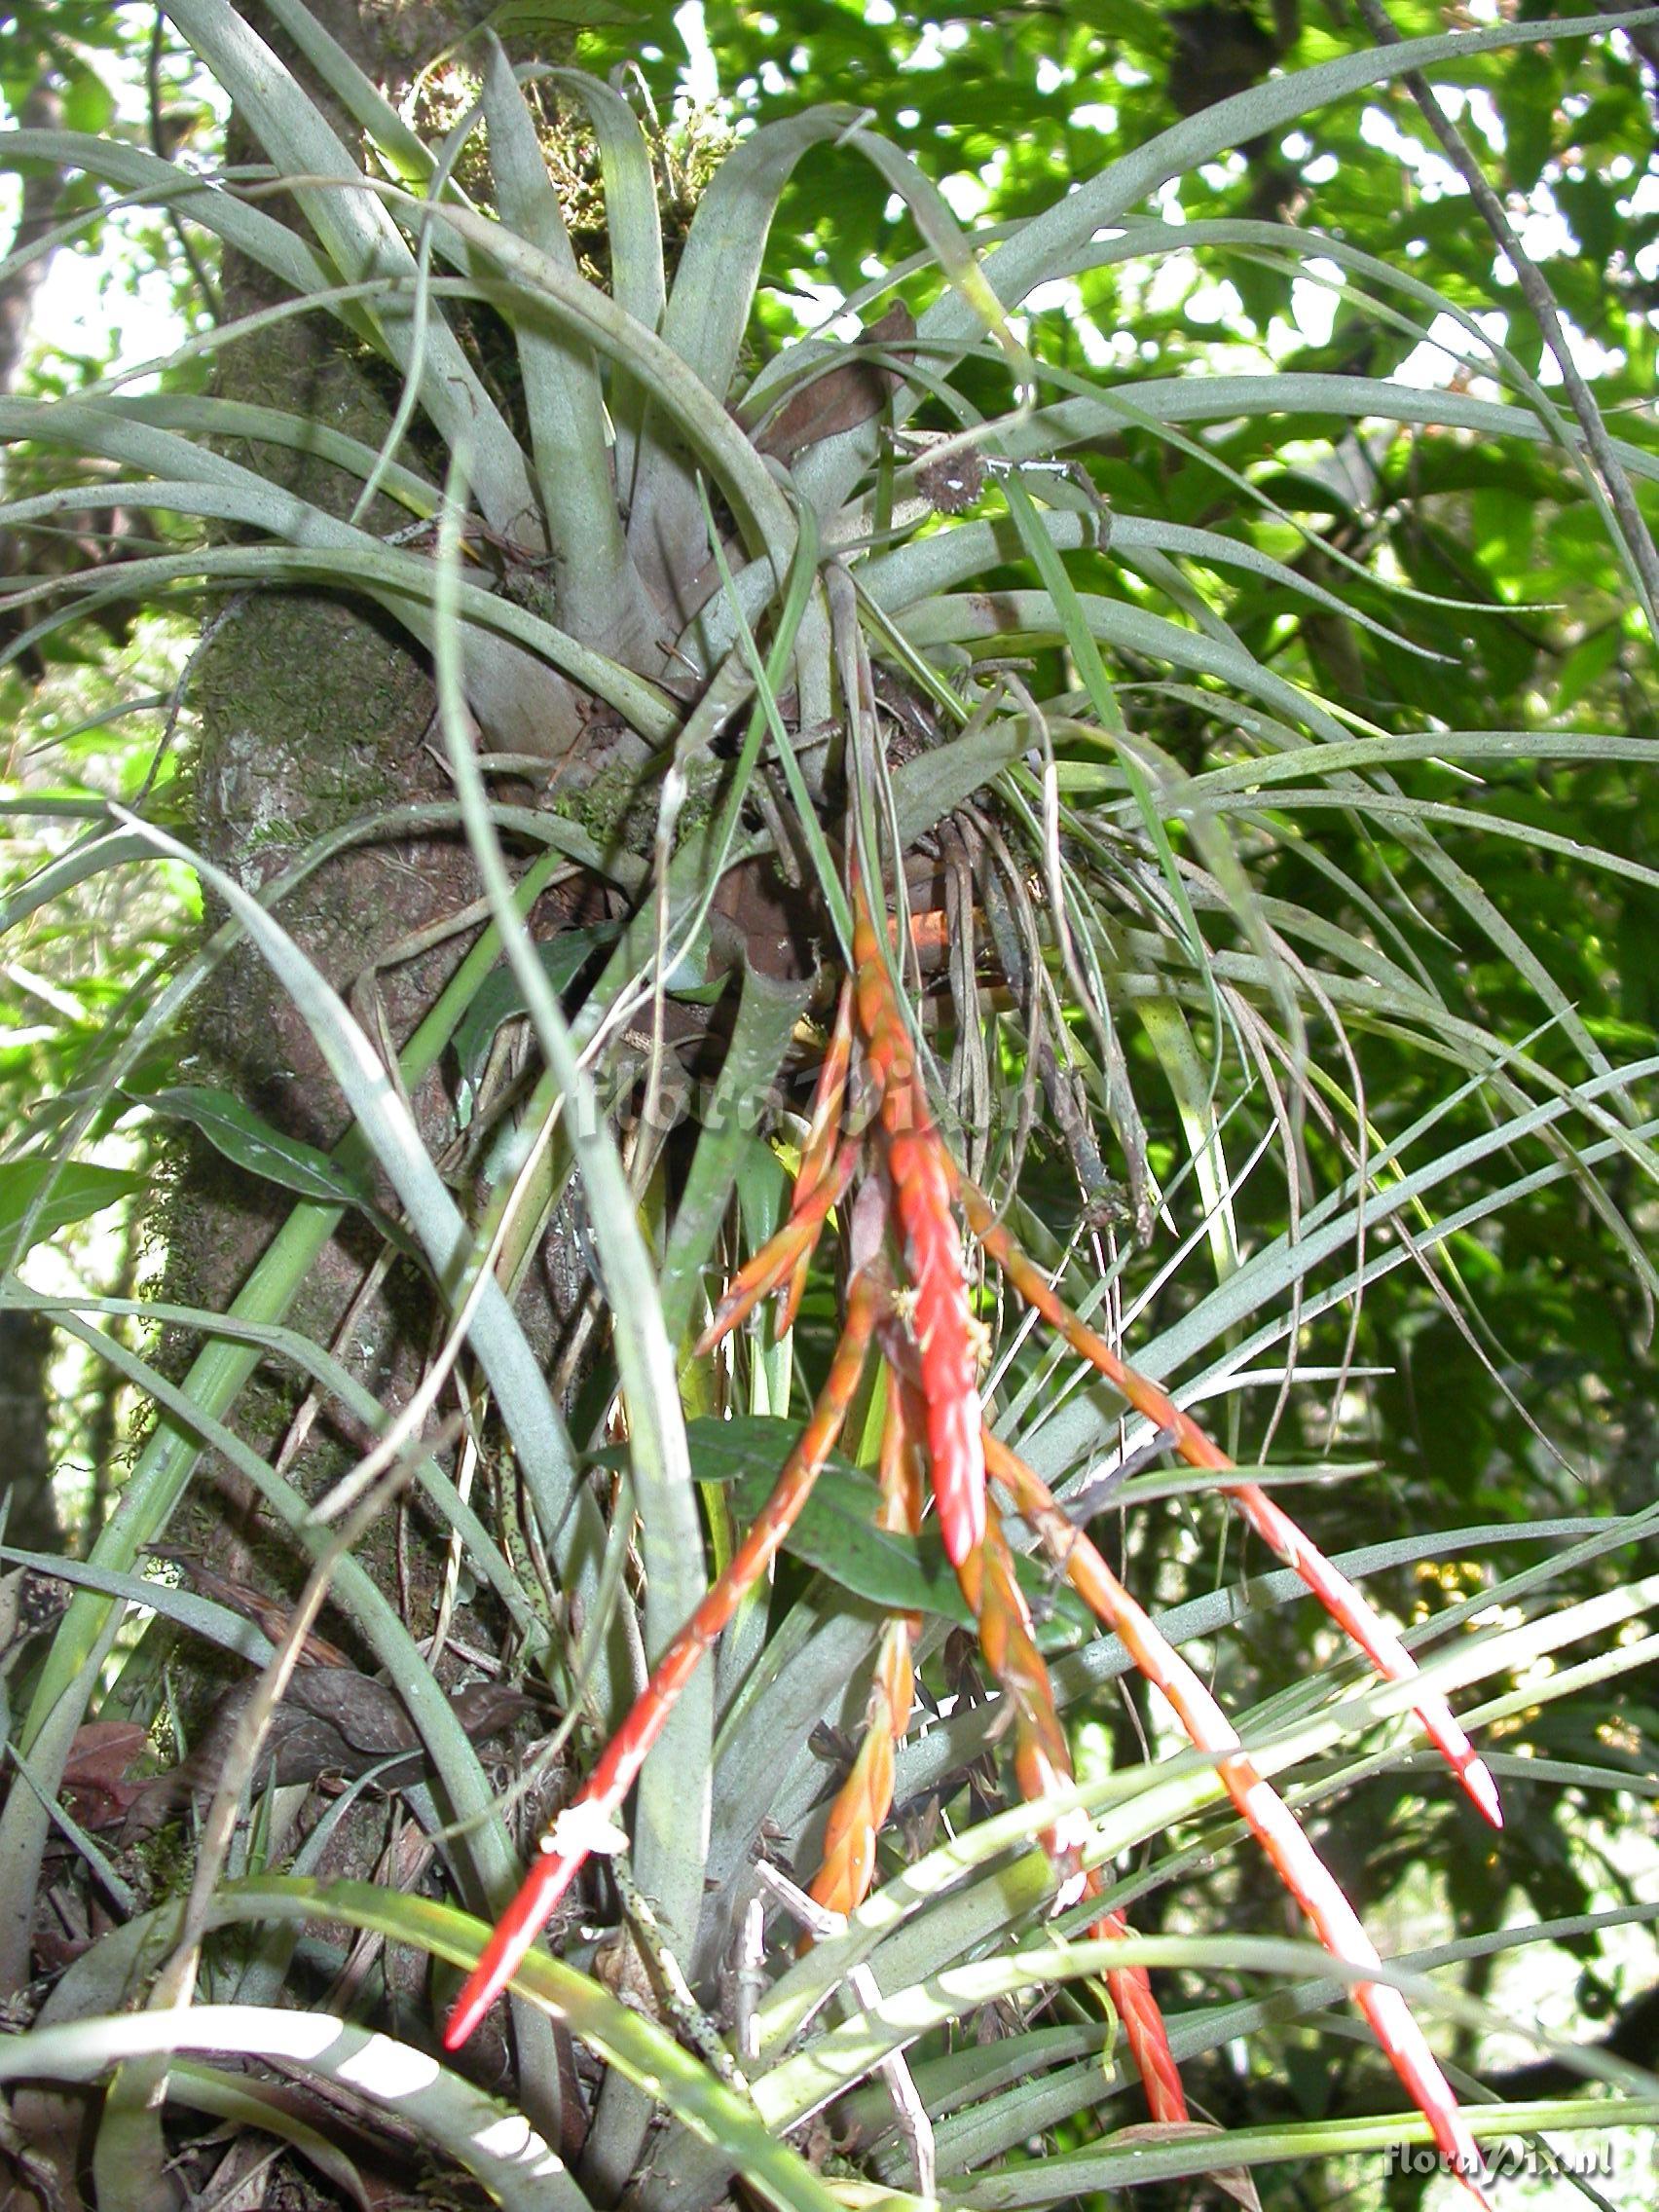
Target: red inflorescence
908	1293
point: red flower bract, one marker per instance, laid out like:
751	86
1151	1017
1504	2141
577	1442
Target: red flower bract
908	1293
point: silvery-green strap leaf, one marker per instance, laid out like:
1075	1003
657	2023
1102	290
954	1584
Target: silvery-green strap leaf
598	592
328	1374
158	1478
749	1071
962	618
362	242
1289	391
1396	749
509	689
503	2153
1285	244
763	512
202	416
403	149
245	2105
633	2041
671	1804
933	217
915	573
1329	1227
932	1916
638	282
524	705
248	229
1046	246
483	1840
708	314
214	1623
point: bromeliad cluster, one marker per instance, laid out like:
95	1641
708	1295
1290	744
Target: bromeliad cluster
899	1193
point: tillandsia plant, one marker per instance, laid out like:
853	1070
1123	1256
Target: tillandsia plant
819	734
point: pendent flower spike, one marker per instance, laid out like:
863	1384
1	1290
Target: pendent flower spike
909	1298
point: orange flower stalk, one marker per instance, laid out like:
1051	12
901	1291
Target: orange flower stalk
918	1171
817	1151
908	1291
1345	1605
866	1798
580	1828
1042	1755
1265	1811
1042	1765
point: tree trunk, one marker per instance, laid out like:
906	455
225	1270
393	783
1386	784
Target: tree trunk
30	1511
42	190
315	711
